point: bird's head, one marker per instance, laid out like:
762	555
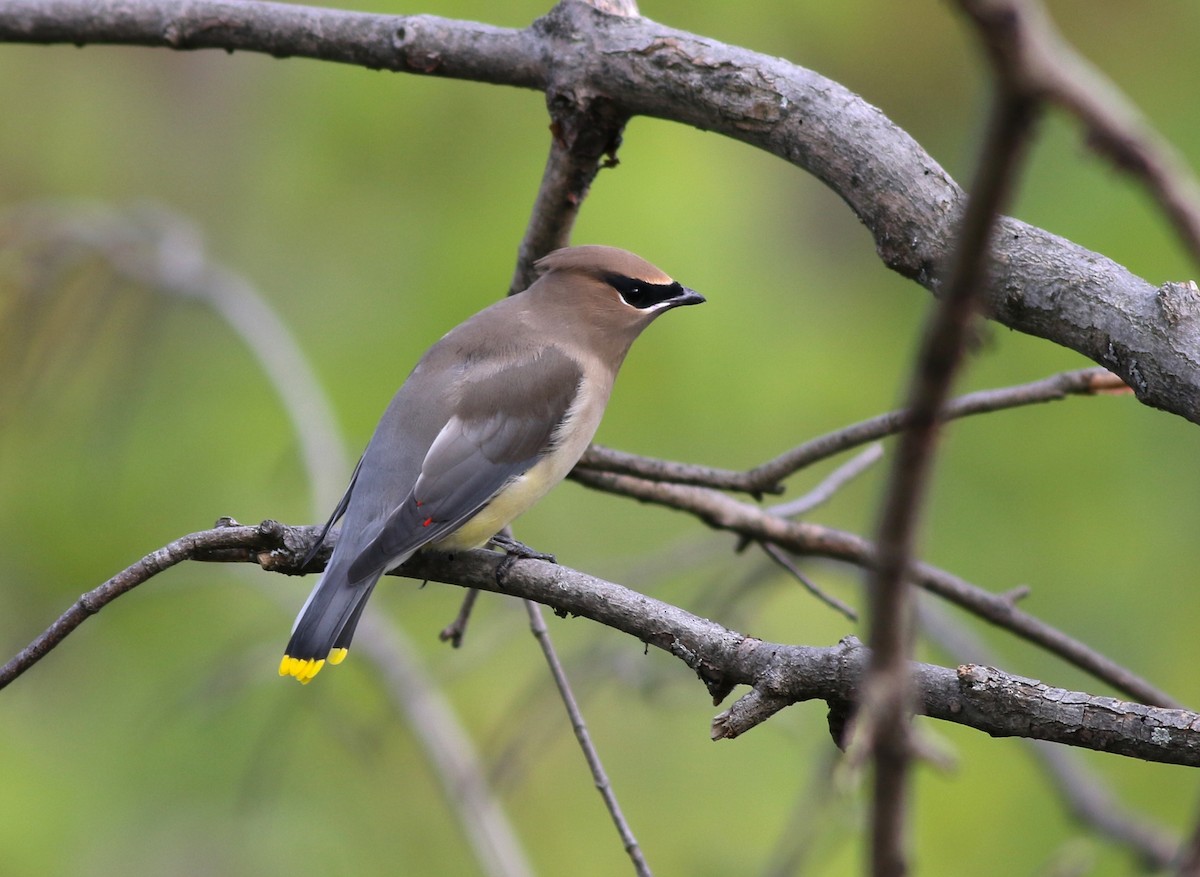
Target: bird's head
610	293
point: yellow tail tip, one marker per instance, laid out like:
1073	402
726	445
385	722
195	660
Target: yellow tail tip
304	669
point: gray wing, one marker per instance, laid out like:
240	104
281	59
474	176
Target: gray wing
342	505
502	425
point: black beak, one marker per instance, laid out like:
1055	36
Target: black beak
686	297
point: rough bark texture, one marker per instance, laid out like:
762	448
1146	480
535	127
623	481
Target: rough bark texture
1041	284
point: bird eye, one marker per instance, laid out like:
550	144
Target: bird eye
641	294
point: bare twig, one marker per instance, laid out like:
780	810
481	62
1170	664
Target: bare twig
830	485
1083	382
456	762
454	632
538	624
780	557
820	494
602	459
768	477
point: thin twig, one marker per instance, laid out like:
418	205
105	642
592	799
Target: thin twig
780	557
819	495
603	785
454	632
599	458
769	477
832	483
1082	382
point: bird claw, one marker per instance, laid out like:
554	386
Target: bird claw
514	551
519	550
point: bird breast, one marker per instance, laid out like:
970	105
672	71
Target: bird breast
570	440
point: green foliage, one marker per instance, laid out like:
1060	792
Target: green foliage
374	211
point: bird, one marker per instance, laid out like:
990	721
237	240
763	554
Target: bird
490	418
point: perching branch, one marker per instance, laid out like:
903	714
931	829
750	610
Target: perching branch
1041	284
221	543
978	697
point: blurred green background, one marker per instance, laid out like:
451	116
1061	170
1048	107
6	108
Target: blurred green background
374	211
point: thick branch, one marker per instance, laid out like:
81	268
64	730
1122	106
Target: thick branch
1041	284
981	698
411	43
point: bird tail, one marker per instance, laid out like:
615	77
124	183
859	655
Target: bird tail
326	623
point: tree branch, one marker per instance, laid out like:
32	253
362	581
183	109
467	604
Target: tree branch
633	849
801	537
884	719
977	697
768	477
1040	284
222	543
1029	53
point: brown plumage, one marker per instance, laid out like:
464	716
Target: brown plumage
492	416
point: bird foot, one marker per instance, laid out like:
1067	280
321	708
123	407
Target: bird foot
514	551
518	550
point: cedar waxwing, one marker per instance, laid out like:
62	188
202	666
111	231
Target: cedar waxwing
493	415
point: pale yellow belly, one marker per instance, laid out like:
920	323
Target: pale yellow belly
509	504
526	490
